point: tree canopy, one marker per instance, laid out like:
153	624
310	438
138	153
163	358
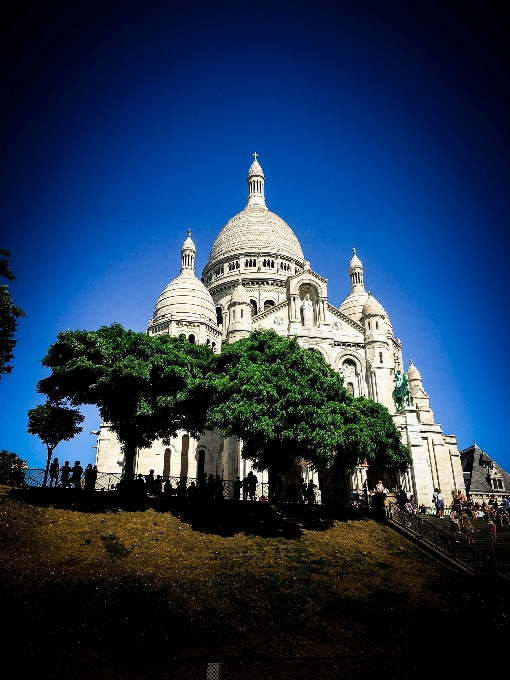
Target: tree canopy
282	401
145	387
9	315
286	402
53	424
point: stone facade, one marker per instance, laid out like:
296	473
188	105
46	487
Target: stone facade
257	277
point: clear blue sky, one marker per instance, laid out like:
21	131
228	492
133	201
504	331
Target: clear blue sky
379	125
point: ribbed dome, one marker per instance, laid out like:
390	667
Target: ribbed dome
256	229
186	298
353	304
372	306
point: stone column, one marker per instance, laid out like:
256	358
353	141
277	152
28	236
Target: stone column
420	475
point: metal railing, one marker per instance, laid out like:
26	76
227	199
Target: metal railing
189	487
477	560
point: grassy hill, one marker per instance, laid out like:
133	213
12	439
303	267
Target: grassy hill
117	594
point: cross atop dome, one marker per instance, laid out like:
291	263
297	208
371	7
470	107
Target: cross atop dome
255	155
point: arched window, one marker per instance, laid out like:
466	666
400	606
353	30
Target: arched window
184	455
377	325
242	313
213	345
207	342
219	316
166	463
201	463
380	358
368	324
268	304
253	304
191	339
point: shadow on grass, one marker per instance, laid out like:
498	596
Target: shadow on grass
223	518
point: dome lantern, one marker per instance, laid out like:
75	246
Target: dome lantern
256	181
188	252
356	272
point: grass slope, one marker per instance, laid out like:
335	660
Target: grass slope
128	591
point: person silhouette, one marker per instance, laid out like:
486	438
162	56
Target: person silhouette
65	472
76	473
89	479
54	470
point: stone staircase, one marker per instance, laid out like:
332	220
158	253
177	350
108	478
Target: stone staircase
481	537
434	535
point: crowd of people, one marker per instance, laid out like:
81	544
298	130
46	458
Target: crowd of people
17	471
67	477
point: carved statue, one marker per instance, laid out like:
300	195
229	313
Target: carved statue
307	308
402	392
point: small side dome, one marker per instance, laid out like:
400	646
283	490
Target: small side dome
186	298
373	307
240	296
353	304
413	373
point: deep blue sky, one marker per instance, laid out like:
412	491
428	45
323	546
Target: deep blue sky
379	125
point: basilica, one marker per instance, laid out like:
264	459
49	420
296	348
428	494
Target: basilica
257	277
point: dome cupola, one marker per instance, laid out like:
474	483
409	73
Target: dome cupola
413	374
356	271
188	252
352	306
256	181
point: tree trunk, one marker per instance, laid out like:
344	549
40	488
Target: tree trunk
129	463
273	485
47	468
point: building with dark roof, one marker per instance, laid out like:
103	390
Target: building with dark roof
483	477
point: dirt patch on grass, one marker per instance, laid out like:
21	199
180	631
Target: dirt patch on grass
127	590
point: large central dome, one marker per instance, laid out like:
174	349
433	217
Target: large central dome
256	229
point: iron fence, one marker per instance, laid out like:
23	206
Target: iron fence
475	559
188	487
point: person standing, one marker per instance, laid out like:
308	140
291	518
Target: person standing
65	472
454	522
76	473
492	534
468	530
54	470
89	479
440	504
238	485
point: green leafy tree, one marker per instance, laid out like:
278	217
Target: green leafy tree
145	387
53	424
286	402
9	462
9	315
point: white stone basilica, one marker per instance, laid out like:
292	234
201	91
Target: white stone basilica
257	277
